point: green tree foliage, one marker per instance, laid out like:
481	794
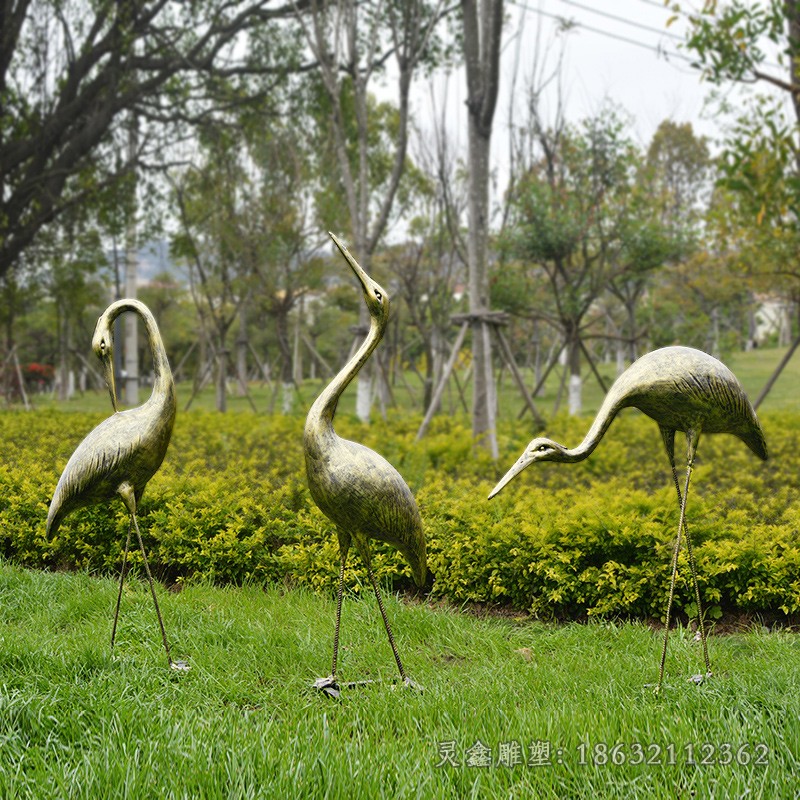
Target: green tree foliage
584	219
729	39
702	297
246	215
735	41
72	73
352	43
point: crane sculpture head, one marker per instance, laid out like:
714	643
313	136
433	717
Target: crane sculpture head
375	295
103	346
539	449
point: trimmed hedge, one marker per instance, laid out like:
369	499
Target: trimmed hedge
231	504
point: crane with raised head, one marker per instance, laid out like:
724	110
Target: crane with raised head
357	489
118	457
682	389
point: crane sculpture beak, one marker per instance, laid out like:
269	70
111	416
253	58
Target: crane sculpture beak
108	374
360	274
520	465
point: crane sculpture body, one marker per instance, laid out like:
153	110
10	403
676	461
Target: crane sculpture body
123	452
357	489
682	389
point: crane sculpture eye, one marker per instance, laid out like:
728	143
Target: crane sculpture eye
542	448
378	296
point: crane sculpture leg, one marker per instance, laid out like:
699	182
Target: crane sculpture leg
129	498
330	684
121	581
368	561
692	439
690	548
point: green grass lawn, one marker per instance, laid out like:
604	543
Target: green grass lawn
79	722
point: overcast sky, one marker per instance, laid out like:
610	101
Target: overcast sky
625	51
622	51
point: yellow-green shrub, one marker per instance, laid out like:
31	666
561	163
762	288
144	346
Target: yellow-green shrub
231	504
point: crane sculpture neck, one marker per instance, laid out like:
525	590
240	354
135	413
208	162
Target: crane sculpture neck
163	384
324	408
605	416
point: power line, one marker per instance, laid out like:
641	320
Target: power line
625	21
691	18
660	5
658	50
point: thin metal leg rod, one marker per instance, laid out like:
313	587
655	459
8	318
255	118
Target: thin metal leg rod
693	567
121	581
152	589
339	594
691	436
386	623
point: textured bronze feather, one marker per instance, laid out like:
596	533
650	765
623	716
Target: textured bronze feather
682	389
123	452
357	489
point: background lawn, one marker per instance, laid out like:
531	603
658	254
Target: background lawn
752	368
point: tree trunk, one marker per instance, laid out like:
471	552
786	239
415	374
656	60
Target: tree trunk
631	307
575	381
286	376
715	344
433	366
482	430
784	326
364	378
750	344
620	358
483	22
222	378
297	350
131	264
242	344
7	373
64	336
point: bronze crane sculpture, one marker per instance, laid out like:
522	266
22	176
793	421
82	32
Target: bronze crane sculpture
358	490
682	389
124	451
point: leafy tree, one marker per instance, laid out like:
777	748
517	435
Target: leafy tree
19	290
482	32
662	220
427	268
166	297
209	240
71	74
582	220
352	42
246	226
281	233
761	159
73	252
